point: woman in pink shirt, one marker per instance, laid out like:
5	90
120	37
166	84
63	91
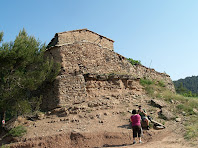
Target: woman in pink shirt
136	126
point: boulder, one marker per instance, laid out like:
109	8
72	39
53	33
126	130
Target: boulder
195	110
165	114
158	103
183	113
61	112
158	127
21	119
40	115
178	119
93	104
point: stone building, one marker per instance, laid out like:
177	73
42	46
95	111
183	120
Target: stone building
90	69
82	35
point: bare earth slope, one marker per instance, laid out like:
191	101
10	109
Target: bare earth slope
100	125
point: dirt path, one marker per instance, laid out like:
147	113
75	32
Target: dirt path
160	140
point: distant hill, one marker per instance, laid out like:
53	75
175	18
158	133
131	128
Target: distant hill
190	83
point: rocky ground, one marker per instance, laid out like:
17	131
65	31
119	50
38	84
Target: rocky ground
99	123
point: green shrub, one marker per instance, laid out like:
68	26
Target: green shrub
192	128
148	86
161	84
134	62
186	108
149	90
4	146
145	82
18	131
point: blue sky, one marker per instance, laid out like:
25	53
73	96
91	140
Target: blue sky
162	34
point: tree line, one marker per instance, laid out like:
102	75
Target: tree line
187	87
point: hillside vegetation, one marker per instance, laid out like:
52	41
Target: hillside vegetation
185	107
187	85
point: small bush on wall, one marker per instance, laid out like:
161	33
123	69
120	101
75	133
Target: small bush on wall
134	62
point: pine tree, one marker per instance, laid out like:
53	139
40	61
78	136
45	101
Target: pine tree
23	71
1	36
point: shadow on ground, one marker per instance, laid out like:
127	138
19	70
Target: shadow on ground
127	126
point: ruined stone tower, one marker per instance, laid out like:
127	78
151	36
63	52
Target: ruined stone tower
90	69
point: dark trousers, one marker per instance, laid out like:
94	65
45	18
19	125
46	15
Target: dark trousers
137	131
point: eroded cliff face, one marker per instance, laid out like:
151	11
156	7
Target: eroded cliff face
90	71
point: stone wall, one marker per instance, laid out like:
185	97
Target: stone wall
113	85
79	59
144	72
85	71
72	89
91	58
82	35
